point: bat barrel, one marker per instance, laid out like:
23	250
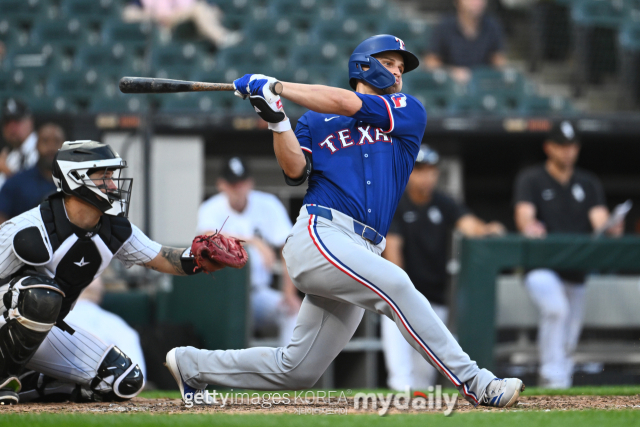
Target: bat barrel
152	85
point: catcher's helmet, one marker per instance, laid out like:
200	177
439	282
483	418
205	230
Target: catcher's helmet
76	160
377	75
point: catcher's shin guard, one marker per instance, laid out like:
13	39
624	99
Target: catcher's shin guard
32	305
118	378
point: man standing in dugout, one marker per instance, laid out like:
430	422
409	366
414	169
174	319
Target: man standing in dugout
557	197
48	255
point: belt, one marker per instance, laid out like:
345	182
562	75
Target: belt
362	230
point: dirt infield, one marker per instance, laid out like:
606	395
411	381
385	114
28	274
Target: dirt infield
175	406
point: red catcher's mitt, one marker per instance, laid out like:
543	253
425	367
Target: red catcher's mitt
215	252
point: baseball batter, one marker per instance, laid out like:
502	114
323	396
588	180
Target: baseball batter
357	149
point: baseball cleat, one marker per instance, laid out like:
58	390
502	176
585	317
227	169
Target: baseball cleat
502	393
188	393
9	391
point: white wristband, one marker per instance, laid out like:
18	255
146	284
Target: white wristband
280	127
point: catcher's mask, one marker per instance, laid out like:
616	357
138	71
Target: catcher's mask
92	171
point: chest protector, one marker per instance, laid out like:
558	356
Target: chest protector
79	255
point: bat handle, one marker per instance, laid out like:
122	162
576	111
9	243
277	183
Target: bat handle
276	88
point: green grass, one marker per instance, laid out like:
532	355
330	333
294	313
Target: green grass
476	419
623	390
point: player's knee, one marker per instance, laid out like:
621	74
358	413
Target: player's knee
33	303
118	378
554	310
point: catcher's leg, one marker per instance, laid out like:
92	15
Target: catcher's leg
324	327
29	308
80	367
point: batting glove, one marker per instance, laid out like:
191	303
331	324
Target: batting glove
241	86
266	103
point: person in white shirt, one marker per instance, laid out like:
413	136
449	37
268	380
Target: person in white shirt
18	132
261	220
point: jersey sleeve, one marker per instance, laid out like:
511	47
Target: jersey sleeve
523	190
138	249
303	133
396	114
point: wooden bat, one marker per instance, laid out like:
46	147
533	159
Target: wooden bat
152	85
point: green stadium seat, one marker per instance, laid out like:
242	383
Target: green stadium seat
24	11
180	54
350	31
132	104
78	86
302	12
68	34
433	88
364	8
90	11
247	58
539	105
492	81
278	31
195	103
601	13
11	34
103	57
57	104
136	35
36	61
477	105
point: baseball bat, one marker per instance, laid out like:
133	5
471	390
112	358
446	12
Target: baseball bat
152	85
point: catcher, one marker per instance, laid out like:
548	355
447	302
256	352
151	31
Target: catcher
49	254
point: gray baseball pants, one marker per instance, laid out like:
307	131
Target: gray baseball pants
342	274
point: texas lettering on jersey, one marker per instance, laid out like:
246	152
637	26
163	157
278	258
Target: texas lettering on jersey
342	138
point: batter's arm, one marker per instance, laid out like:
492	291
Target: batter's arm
289	154
322	99
393	250
526	222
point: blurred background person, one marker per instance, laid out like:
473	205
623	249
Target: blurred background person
469	38
417	241
20	137
557	197
28	188
169	13
262	221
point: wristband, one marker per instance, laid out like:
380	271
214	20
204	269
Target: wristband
280	127
188	263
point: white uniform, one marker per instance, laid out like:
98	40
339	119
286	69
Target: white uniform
264	217
23	158
70	358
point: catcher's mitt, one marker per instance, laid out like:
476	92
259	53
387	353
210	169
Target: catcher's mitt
215	252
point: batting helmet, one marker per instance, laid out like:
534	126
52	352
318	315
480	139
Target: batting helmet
377	75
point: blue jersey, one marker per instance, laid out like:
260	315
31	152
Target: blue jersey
361	164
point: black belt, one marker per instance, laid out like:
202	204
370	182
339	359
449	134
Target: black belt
362	230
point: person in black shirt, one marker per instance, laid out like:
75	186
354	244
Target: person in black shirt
417	241
467	39
556	197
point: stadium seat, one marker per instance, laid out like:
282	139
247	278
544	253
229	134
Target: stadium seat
477	105
78	86
66	34
415	34
194	103
433	88
348	31
539	105
595	28
24	11
58	104
629	50
133	104
103	57
278	31
490	80
94	11
136	35
11	34
302	13
36	60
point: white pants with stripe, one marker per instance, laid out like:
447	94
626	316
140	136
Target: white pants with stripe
342	275
69	358
405	366
561	307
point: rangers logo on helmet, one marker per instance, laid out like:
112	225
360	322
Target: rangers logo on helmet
401	43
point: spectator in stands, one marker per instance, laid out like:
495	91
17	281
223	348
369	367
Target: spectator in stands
18	133
169	13
468	39
557	197
262	221
28	188
417	241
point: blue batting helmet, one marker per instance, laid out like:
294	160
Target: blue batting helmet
377	75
